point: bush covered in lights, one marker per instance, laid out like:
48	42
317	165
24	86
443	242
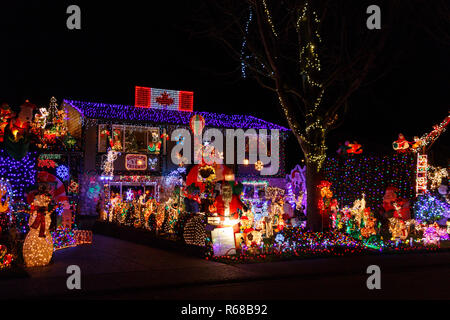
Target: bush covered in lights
429	208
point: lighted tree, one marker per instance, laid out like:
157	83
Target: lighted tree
429	208
312	55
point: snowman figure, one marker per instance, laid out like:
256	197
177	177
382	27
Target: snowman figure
38	245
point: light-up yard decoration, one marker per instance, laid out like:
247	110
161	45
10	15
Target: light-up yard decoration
62	172
424	142
5	257
38	245
296	188
421	174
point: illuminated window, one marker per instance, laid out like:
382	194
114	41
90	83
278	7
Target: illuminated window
117	135
141	139
131	145
102	138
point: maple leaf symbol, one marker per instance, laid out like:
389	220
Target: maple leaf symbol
164	99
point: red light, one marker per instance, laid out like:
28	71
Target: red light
164	99
186	101
142	97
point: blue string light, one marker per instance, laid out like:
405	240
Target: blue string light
95	110
20	173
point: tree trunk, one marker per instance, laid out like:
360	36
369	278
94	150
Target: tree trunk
313	178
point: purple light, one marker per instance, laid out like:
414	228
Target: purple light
122	112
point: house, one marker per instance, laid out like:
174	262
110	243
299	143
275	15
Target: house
143	139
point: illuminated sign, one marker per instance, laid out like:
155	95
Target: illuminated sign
164	99
52	156
223	241
421	174
136	162
214	221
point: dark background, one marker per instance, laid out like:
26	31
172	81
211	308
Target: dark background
126	43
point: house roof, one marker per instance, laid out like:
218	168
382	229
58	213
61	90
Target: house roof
95	110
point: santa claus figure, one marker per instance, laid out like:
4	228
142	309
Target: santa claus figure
355	148
389	197
401	145
392	204
227	204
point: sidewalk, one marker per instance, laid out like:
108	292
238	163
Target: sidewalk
110	264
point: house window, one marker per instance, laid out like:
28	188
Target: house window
140	139
102	138
129	139
254	189
131	145
117	138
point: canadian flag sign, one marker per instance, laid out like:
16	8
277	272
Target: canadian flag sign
164	99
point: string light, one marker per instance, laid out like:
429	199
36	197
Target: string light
20	173
435	175
93	110
259	165
371	175
63	238
5	258
108	164
244	43
269	18
308	56
38	244
194	231
429	138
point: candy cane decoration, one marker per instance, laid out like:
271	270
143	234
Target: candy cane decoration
59	195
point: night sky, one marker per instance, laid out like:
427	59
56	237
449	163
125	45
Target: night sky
124	43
